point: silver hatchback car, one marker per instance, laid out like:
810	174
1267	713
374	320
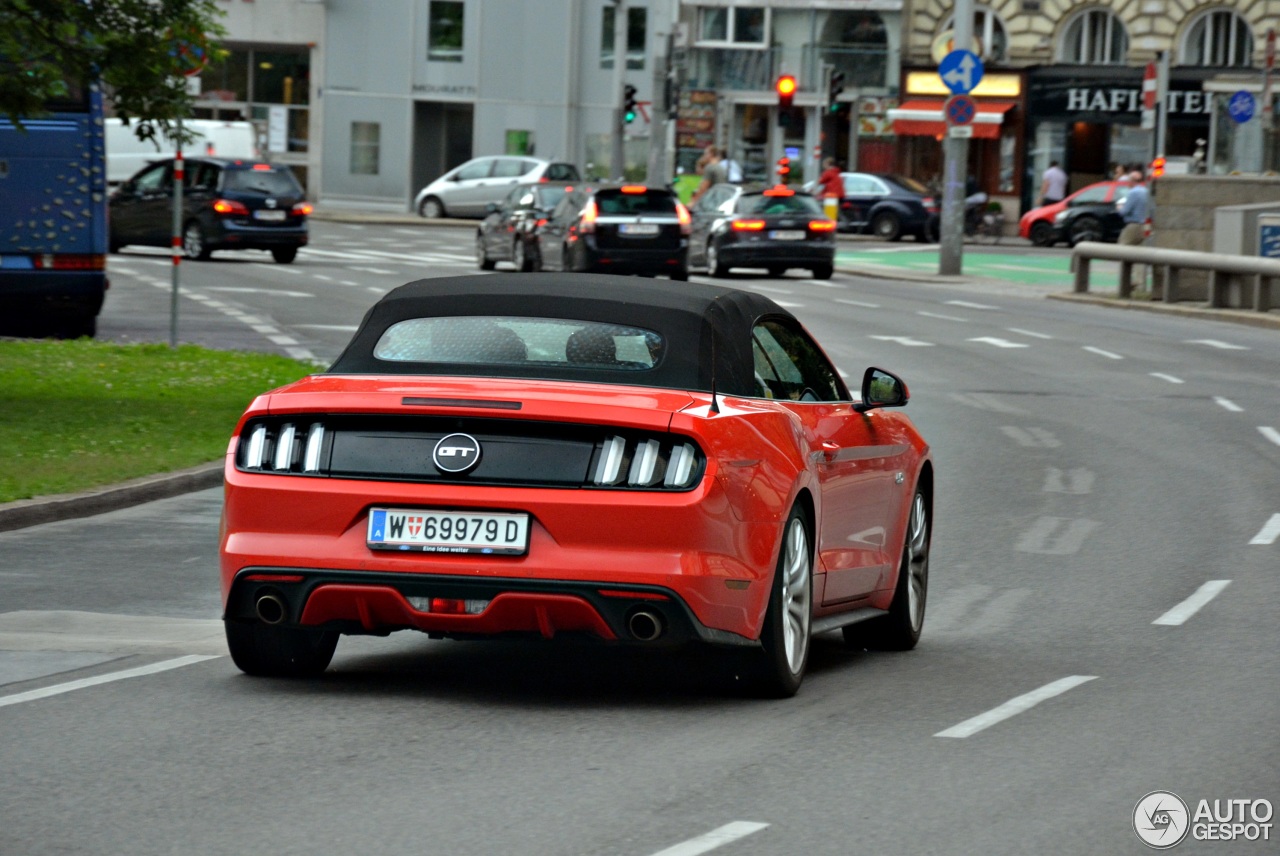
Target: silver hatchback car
465	190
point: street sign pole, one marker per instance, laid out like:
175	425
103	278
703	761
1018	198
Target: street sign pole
1162	101
955	169
176	240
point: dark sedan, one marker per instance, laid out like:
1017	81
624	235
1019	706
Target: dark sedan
226	205
506	234
888	206
775	228
632	229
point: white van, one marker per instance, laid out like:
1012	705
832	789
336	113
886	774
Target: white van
126	154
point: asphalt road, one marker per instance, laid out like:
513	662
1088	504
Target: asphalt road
1101	623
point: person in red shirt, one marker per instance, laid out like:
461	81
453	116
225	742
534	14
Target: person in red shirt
832	186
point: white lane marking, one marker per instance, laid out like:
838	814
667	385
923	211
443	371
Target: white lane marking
825	283
1091	349
1033	334
341	328
773	290
241	289
1228	404
1078	481
999	343
59	689
1270	433
322	277
1269	533
943	317
1214	343
1032	438
379	271
347	282
416	233
857	303
1014	706
1056	536
1168	377
275	268
985	401
906	341
375	289
726	834
969	305
282	339
786	304
1193	604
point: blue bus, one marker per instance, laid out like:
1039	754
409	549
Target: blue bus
53	218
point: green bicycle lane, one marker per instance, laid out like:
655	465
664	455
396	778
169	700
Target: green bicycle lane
1036	269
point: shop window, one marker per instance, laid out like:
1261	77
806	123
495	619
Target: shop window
637	36
1094	37
365	140
1219	38
989	32
735	27
444	31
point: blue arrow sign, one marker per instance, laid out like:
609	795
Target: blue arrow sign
1241	106
960	71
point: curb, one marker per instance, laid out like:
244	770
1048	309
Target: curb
67	506
1268	320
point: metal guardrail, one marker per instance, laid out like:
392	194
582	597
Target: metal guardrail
1166	266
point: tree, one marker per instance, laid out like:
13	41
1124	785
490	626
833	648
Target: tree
136	48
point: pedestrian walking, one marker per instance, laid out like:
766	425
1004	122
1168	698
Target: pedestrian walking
1053	185
712	174
1135	211
832	185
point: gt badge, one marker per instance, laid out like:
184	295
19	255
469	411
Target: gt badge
456	453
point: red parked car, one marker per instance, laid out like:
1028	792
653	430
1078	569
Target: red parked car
1037	224
639	462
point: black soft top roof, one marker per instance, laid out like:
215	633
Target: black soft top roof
695	320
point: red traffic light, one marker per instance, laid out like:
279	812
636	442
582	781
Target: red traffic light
784	165
786	87
1157	167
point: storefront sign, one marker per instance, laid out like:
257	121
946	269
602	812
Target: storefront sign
1089	99
696	118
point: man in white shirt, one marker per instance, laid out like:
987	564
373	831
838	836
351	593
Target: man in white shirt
1054	186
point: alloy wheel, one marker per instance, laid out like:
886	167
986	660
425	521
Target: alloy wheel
797	595
917	561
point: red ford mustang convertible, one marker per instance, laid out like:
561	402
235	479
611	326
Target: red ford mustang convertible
643	462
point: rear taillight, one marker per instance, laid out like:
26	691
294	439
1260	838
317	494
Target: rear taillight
686	221
589	215
302	209
930	204
230	207
748	225
287	447
69	261
634	188
822	225
653	463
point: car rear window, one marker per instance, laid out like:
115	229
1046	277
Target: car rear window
761	203
277	181
505	340
646	202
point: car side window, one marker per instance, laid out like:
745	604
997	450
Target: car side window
790	366
479	169
860	185
507	168
200	177
153	180
561	172
1092	194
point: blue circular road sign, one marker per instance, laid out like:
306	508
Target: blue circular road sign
1241	106
960	71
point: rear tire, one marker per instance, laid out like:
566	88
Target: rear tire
482	254
284	255
193	242
1041	234
714	267
520	256
680	276
887	227
777	670
823	271
281	652
776	270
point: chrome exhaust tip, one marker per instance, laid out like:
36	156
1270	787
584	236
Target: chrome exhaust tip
645	625
270	609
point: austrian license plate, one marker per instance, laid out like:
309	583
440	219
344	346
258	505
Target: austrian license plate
429	531
638	229
269	214
787	235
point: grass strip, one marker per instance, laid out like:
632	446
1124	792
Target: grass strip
81	414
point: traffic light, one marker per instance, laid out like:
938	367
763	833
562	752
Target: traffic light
629	103
786	87
837	86
1157	167
784	169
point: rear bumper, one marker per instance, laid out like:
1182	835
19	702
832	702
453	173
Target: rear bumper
769	253
357	602
231	233
634	260
80	292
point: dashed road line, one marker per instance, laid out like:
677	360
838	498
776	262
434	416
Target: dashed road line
1269	533
999	343
709	841
1078	481
966	304
1193	604
1108	354
1228	404
240	289
943	317
1030	333
857	303
1170	378
1214	343
1270	433
905	341
1014	706
69	686
1032	438
1056	536
275	268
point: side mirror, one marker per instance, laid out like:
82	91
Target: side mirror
490	208
881	389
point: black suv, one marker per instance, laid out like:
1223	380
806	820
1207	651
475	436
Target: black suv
632	229
226	205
